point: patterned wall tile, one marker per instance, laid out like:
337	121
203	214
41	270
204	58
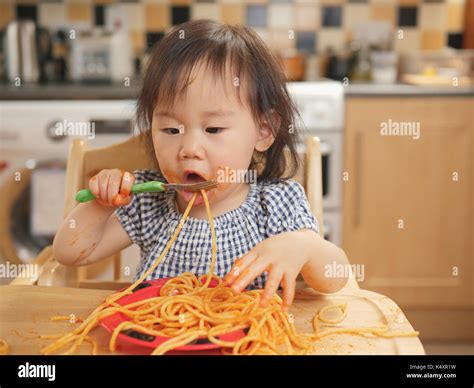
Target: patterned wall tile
51	15
455	40
432	16
138	42
334	38
79	12
316	24
307	16
153	37
331	16
280	40
411	40
99	19
280	16
7	13
27	11
256	15
407	16
455	17
306	42
135	15
157	17
384	12
232	13
205	11
180	14
355	14
432	39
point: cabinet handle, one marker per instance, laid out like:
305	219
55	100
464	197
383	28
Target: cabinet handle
358	178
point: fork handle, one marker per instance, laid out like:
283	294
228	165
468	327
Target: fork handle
145	187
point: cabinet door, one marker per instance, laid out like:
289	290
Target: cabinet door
408	203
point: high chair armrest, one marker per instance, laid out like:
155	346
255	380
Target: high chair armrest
352	283
30	275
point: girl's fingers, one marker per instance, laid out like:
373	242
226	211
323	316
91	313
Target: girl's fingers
127	182
249	274
121	200
115	179
103	184
274	278
289	285
94	185
239	266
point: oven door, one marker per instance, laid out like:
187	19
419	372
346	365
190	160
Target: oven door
331	164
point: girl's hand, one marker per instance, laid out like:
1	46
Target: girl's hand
112	187
282	255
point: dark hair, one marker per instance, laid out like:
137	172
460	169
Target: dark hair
215	44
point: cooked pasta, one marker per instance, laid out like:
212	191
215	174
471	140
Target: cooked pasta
188	309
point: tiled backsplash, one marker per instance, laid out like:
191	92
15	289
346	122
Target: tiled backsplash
310	26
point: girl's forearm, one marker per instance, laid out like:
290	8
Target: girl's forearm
322	255
80	232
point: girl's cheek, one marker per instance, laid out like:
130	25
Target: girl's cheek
170	175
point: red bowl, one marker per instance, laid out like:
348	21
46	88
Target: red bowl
136	341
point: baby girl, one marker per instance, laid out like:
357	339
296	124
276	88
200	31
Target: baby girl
213	104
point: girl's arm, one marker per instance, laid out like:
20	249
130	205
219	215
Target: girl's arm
97	234
321	255
284	256
91	231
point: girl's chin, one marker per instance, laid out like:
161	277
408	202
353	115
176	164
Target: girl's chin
187	195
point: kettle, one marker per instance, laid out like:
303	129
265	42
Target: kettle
21	51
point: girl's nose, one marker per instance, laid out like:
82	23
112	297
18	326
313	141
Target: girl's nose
192	145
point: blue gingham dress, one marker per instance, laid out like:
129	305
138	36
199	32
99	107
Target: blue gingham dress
150	219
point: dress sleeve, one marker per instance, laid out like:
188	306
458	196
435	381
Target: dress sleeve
130	216
287	208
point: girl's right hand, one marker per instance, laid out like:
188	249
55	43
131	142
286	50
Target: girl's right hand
112	187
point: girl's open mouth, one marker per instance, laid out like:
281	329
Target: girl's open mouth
192	176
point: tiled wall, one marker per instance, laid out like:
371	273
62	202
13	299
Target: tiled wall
429	24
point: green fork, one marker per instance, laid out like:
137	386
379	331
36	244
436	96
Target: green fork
154	187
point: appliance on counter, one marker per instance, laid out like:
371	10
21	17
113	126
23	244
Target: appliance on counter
321	108
27	50
21	48
33	141
101	56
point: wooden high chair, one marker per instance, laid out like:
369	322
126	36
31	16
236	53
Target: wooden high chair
84	163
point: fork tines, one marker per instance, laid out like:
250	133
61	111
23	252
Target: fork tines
207	185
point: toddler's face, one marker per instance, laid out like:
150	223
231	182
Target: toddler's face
207	131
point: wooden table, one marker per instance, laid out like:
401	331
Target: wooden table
25	313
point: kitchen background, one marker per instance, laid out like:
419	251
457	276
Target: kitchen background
400	205
318	27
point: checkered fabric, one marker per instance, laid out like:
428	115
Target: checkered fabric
271	207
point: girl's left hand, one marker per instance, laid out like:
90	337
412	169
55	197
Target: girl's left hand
282	256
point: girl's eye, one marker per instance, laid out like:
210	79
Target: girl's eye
214	129
171	131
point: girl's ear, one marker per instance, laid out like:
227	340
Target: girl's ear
265	134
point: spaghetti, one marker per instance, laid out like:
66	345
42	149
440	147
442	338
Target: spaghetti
188	309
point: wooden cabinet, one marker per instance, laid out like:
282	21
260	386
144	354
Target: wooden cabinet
408	206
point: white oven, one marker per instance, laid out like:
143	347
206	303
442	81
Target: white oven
321	109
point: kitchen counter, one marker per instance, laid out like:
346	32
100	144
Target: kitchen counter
25	313
78	91
69	91
396	90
